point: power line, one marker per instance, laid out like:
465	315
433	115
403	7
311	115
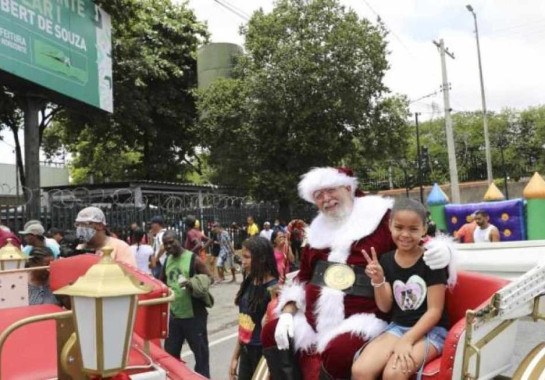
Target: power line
389	29
233	10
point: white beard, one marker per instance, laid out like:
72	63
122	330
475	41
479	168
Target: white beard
340	215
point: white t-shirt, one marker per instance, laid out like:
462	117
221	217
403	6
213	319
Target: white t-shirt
157	243
266	234
142	254
482	235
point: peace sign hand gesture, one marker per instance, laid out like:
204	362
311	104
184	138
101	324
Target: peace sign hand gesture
373	268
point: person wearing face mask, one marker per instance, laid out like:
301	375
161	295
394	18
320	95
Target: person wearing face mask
92	232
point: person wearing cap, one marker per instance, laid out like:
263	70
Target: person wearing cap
329	311
465	233
33	236
157	230
266	232
93	234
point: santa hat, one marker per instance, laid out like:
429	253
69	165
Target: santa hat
323	178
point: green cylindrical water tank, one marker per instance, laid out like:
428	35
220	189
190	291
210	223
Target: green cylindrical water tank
216	60
534	193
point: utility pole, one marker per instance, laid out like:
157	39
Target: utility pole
453	169
488	155
419	158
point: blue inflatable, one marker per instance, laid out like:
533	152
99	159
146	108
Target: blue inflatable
508	216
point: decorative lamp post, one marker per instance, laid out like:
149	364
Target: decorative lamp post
104	302
11	257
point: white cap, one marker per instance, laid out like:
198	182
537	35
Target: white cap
91	215
33	228
323	178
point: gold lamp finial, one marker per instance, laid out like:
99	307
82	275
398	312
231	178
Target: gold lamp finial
11	257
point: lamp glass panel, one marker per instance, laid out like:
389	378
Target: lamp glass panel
85	311
11	264
116	312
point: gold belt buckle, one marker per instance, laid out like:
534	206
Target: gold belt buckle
339	276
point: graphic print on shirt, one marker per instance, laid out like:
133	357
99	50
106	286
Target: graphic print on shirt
245	328
410	295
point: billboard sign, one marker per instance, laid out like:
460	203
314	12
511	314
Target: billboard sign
62	45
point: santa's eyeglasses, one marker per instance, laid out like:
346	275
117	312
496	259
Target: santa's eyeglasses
320	194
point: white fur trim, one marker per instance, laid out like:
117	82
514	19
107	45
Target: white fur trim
292	293
329	309
304	335
447	243
322	178
364	219
366	326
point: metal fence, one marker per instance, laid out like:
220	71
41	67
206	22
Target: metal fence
123	207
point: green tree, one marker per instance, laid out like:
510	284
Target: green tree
307	92
152	133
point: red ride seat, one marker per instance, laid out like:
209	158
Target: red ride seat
470	292
30	352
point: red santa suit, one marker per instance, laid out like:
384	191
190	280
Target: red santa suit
330	325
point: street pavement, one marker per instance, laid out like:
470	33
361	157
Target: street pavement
222	329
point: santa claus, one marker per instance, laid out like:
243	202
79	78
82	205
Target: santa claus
329	312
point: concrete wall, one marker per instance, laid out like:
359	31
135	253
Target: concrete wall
49	176
470	192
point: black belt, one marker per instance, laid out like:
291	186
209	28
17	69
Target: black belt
362	284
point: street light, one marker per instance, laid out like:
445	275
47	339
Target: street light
483	100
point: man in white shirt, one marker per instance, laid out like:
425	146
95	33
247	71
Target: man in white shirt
266	232
157	229
485	231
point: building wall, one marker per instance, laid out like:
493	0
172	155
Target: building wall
49	176
470	192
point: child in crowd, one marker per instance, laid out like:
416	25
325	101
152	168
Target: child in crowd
282	253
252	298
414	294
143	253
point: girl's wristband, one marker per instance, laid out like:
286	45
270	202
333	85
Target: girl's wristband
379	284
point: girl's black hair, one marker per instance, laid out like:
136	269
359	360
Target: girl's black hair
407	204
263	264
137	235
275	233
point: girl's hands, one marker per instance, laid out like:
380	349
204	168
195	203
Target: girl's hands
402	356
233	369
373	268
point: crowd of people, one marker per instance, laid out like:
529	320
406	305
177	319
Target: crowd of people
385	298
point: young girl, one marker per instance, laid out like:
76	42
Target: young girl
413	293
252	298
143	253
282	253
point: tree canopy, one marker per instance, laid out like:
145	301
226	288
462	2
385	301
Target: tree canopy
308	91
152	133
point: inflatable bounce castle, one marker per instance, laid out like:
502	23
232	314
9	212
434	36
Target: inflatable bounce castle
516	219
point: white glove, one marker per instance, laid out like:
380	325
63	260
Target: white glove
284	331
437	253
